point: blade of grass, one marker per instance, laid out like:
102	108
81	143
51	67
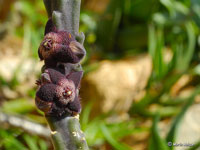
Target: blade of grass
85	115
183	53
155	48
93	133
9	141
12	143
195	146
160	66
31	142
151	40
153	97
172	132
191	43
18	106
108	136
156	142
42	145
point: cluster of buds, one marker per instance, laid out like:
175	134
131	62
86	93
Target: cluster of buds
58	87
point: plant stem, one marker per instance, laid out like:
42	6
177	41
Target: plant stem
65	15
66	132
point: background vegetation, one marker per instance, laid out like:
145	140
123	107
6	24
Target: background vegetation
167	31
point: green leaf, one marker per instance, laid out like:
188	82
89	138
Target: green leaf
42	145
95	136
172	132
85	115
109	24
191	42
111	139
31	142
18	106
151	40
9	141
179	6
169	5
125	128
184	52
155	48
156	142
93	133
195	146
12	143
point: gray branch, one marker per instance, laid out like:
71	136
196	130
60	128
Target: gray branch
22	123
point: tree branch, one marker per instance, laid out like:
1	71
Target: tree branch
19	122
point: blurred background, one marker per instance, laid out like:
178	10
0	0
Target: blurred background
141	87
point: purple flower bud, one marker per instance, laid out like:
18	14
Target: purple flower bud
59	46
58	94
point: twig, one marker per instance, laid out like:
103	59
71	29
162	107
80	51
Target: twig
28	126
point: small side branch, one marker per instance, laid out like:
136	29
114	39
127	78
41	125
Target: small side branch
28	126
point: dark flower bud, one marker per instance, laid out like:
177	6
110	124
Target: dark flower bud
54	76
57	94
75	106
45	97
50	27
77	49
59	46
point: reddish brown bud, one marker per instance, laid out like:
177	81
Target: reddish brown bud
59	46
57	94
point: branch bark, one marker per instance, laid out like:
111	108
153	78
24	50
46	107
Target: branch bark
23	123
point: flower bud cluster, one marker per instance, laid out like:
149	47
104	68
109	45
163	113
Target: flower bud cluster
58	87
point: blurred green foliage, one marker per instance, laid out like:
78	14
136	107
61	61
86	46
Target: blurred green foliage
125	28
34	18
15	139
